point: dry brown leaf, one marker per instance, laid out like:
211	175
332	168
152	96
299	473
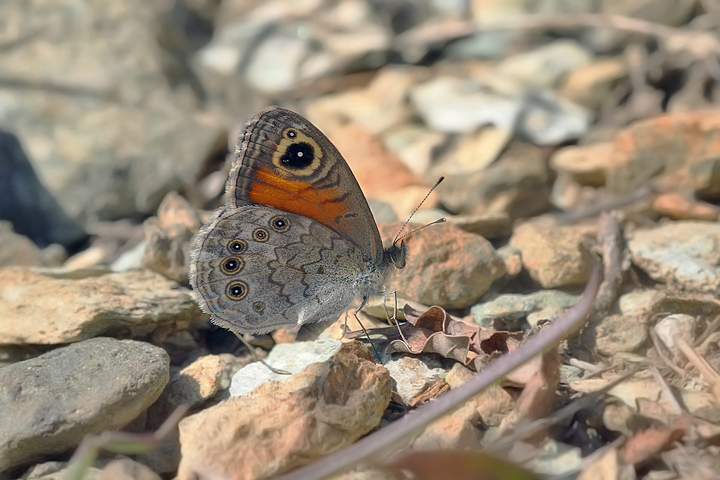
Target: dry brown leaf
436	331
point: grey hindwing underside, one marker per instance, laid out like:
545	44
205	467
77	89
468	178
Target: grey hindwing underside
291	269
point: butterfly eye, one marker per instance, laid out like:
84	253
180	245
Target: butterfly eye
260	235
231	265
237	246
280	224
237	290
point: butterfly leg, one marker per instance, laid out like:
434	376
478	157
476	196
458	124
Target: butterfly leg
367	335
276	371
393	320
345	327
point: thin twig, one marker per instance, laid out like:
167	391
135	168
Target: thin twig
660	349
714	325
702	365
611	247
666	391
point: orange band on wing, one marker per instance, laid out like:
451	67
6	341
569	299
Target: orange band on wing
297	197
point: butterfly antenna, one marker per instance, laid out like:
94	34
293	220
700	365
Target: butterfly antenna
440	220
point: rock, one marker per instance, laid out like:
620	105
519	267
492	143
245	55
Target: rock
569	196
192	385
179	344
679	207
51	402
352	37
455	105
618	333
445	267
415	145
555	256
27	204
275	47
104	469
673	328
511	306
586	164
512	258
270	73
546	65
517	184
495	44
378	107
412	375
127	468
456	431
549	314
291	357
492	225
647	303
40	309
56	471
590	85
105	109
17	250
280	426
665	254
680	150
130	259
548	119
383	212
168	238
485	44
473	152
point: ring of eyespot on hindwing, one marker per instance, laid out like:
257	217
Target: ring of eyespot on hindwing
231	265
297	153
260	235
237	246
280	223
236	290
258	307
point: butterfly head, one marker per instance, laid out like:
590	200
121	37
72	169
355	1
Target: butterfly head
397	254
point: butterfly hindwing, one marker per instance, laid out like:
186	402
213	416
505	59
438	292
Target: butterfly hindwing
256	269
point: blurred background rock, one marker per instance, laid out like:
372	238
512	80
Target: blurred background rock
116	106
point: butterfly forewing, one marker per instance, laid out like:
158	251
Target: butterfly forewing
283	161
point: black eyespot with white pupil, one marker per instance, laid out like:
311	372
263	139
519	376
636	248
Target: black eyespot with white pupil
279	224
298	156
237	290
291	134
237	246
231	265
260	235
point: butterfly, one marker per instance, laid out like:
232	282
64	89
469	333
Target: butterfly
295	242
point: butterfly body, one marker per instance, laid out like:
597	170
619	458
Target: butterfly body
296	242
